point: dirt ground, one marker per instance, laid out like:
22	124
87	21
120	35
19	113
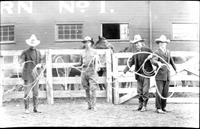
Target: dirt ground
74	113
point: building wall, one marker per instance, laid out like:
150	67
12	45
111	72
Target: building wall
45	15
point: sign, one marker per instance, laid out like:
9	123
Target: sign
9	7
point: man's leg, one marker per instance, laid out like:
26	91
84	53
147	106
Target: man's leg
85	85
139	92
165	94
146	85
26	97
93	86
158	105
35	98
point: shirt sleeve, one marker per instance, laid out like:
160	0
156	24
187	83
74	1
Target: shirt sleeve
131	62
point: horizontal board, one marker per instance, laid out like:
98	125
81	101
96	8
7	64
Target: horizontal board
56	80
57	94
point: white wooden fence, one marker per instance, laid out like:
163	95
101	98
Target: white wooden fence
123	93
114	88
49	80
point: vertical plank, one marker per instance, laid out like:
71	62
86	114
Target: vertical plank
1	81
49	83
116	84
109	75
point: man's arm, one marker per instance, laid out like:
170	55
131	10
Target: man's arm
131	62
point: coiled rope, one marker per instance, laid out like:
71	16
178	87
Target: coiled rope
150	74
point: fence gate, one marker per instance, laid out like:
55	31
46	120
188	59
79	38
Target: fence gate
124	86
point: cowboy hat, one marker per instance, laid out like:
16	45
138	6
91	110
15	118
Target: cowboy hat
87	38
32	41
137	38
162	39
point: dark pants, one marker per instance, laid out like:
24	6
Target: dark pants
143	85
34	91
163	88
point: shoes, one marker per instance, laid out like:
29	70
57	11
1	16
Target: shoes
27	111
164	110
143	109
139	108
93	108
36	111
160	111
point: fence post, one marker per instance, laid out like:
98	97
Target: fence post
109	75
1	81
49	84
116	84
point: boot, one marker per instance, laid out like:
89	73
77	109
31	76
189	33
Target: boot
26	105
35	105
140	104
144	106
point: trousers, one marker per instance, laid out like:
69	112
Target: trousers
143	85
88	80
34	91
163	88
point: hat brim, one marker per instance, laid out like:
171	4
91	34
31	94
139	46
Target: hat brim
84	41
160	41
28	42
136	41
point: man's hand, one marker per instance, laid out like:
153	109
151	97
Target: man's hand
150	56
123	74
159	64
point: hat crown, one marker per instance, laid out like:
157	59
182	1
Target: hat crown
163	38
87	38
33	37
137	37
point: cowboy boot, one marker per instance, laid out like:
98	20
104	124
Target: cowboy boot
35	105
140	104
145	105
26	105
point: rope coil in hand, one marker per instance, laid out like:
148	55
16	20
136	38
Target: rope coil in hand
150	74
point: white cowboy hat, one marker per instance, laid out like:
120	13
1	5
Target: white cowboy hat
32	41
162	39
87	38
137	38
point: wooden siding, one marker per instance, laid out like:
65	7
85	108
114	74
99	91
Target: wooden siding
46	15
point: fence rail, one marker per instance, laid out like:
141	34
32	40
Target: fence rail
112	80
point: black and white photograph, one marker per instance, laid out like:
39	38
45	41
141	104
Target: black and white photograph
99	64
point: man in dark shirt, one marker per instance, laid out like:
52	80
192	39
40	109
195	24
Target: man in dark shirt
143	84
30	57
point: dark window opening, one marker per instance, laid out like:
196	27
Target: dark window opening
111	31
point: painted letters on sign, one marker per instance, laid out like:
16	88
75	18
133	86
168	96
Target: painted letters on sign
9	7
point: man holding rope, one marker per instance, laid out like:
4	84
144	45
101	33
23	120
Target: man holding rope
163	75
89	63
31	58
143	84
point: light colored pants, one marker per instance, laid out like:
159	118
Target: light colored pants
88	80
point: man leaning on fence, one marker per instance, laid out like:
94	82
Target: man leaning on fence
90	67
143	83
31	58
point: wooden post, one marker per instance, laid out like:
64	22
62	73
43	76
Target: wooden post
116	84
109	75
1	81
49	82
